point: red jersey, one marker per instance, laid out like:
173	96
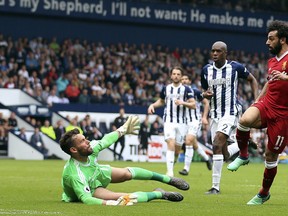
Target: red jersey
276	97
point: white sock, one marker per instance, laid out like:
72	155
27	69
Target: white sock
217	170
233	149
188	157
202	153
170	156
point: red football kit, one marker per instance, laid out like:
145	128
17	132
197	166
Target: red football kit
274	106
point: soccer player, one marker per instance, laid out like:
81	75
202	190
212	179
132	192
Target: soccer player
177	99
194	123
85	180
270	110
220	82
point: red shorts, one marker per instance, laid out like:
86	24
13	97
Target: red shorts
277	128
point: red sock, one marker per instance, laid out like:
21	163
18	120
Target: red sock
242	139
269	175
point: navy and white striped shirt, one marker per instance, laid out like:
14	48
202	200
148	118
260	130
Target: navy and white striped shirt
224	83
172	112
195	114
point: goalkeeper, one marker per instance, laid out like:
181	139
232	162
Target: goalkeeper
85	180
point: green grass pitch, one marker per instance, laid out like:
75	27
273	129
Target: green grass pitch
33	188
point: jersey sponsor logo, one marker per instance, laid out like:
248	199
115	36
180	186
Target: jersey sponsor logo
87	189
220	81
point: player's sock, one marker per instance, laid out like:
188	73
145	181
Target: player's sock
188	157
148	196
269	175
217	170
170	156
232	149
202	153
143	174
243	136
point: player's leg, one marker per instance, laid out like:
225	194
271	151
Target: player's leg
277	140
250	119
124	174
170	138
220	130
114	150
122	143
270	172
199	149
189	152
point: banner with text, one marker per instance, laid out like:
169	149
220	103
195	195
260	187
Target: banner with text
139	12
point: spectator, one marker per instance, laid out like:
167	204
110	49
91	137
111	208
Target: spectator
84	98
23	72
37	142
52	98
22	134
12	122
31	62
72	92
63	99
38	94
48	129
62	83
73	124
144	135
120	120
59	130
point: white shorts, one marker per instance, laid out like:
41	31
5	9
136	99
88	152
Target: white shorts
193	128
175	131
226	125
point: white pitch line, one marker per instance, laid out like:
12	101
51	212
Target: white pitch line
28	212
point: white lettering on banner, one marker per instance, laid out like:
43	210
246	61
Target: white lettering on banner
33	4
74	7
140	12
226	19
175	15
12	3
137	12
119	8
196	16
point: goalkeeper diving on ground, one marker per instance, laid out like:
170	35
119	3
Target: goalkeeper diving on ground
84	180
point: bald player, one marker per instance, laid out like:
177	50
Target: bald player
219	81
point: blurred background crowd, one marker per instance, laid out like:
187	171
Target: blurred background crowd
91	72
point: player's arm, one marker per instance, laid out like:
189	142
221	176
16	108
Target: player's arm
190	103
254	85
131	126
277	75
83	193
262	93
205	111
159	103
208	94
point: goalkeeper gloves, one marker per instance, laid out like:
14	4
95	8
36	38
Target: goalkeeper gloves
131	126
126	200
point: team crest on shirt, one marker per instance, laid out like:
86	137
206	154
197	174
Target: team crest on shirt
284	65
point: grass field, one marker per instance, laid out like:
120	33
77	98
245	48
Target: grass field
33	188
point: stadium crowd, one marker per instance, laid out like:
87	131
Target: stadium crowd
78	71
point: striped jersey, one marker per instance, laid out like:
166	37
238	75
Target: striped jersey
224	83
172	112
195	114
